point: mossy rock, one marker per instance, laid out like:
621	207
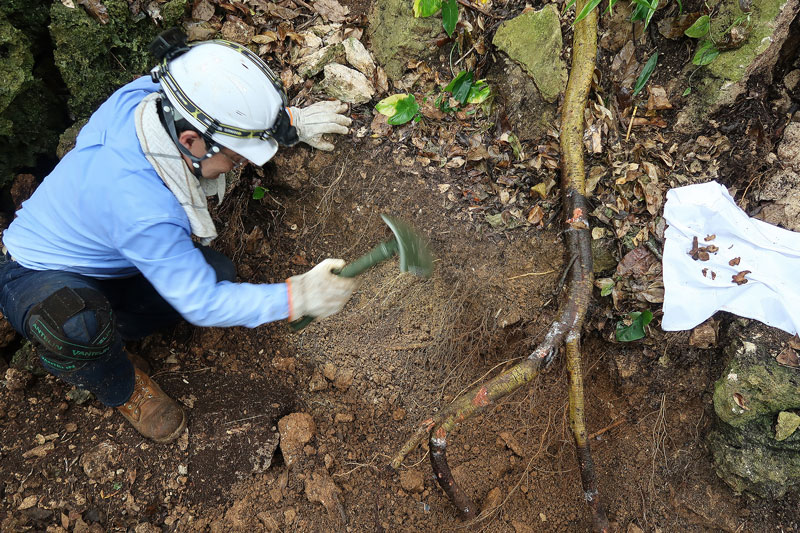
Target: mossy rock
719	83
96	59
396	37
754	385
748	399
534	41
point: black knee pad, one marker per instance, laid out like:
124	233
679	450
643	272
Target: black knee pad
46	320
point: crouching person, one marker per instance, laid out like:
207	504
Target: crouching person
113	244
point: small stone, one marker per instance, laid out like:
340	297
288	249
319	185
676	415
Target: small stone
289	515
343	418
358	56
346	84
512	443
16	379
493	499
344	378
399	414
317	382
329	371
99	462
296	430
412	481
321	488
285	364
39	451
704	336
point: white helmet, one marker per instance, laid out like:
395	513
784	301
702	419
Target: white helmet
229	94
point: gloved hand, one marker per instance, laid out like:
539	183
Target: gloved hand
323	117
319	292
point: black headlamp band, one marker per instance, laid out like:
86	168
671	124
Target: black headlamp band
167	116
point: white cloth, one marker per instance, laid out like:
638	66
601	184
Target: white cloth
162	153
771	254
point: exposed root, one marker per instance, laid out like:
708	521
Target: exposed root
566	330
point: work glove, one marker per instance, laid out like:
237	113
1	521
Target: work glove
319	292
323	117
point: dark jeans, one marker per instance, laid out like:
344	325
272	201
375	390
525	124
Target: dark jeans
138	311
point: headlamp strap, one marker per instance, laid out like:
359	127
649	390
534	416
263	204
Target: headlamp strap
167	116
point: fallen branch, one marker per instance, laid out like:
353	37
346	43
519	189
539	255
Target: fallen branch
566	330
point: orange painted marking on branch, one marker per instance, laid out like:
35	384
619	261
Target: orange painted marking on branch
441	433
481	398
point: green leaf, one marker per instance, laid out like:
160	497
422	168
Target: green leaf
388	106
650	12
586	10
567	6
644	10
259	192
400	108
636	330
700	27
648	69
449	16
606	286
706	53
687	92
479	92
426	8
460	86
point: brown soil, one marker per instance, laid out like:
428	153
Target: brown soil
401	349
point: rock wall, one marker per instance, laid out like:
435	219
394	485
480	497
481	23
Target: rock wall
758	384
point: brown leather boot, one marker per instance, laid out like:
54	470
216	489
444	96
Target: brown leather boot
154	414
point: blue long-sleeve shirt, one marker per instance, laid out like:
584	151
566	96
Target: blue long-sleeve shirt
104	212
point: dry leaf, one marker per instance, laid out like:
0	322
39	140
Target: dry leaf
535	215
331	10
658	99
739	399
788	357
739	278
794	342
97	10
710	237
734	261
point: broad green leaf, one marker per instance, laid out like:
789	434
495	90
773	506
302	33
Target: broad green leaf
706	53
586	10
426	8
449	16
259	192
405	110
388	106
687	92
699	28
460	86
636	330
648	69
479	92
